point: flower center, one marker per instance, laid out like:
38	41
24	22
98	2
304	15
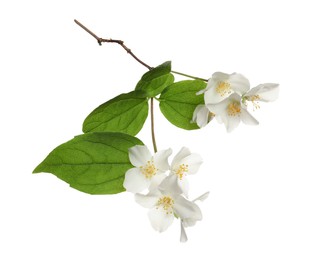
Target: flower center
223	88
149	170
166	202
183	168
234	109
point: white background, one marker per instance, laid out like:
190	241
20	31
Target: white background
53	74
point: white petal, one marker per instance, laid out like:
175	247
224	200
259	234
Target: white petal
219	108
202	197
139	155
186	209
201	92
219	119
183	235
193	161
247	118
149	200
217	77
232	123
267	92
211	96
135	181
200	115
170	185
184	152
156	181
183	184
160	159
188	222
239	83
159	219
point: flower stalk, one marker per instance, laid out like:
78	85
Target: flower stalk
153	137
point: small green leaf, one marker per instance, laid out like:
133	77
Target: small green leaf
179	100
156	80
94	163
125	113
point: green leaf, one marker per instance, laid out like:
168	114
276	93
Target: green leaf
179	100
94	163
156	80
125	113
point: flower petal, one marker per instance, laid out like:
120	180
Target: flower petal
219	108
239	83
159	219
184	152
211	96
149	200
139	155
183	235
188	222
160	159
183	184
186	209
267	92
193	161
202	197
135	181
201	92
247	118
232	123
170	185
156	181
200	116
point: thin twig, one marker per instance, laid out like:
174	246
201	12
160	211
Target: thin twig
120	42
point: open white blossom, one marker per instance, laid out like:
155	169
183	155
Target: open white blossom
149	169
231	112
221	85
165	205
189	222
183	164
266	92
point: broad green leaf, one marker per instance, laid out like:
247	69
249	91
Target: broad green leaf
156	80
125	113
94	163
179	100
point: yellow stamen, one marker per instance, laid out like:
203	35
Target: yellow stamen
166	202
234	109
149	170
181	170
223	88
254	99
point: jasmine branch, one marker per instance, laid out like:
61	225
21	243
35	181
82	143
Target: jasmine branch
128	50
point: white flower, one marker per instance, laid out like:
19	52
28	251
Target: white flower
165	205
148	171
231	112
264	92
222	85
189	222
184	163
